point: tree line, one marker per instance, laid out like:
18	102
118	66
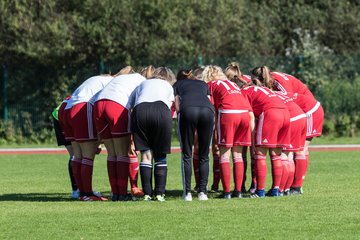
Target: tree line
48	47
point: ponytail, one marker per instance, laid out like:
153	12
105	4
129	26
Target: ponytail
148	71
261	76
125	70
185	74
233	70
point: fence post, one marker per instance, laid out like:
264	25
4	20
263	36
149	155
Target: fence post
101	67
300	63
200	60
5	95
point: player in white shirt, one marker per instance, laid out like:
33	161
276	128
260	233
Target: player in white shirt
112	123
77	123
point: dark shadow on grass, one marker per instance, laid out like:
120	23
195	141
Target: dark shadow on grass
173	193
40	197
36	197
65	197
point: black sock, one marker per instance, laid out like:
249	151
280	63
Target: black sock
160	174
146	180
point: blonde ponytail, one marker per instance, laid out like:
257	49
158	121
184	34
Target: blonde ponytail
125	70
148	71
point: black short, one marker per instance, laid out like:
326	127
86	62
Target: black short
60	138
151	125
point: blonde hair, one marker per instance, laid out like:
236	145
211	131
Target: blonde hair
125	70
148	71
164	73
213	72
261	76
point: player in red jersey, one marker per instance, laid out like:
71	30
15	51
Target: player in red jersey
233	123
111	115
297	141
272	134
315	116
234	74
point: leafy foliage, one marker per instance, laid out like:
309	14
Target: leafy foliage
50	47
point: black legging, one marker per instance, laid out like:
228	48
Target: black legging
191	119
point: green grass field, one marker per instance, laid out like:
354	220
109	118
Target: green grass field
35	204
175	142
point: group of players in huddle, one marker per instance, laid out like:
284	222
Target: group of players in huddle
264	113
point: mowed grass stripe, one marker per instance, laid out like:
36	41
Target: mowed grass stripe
35	204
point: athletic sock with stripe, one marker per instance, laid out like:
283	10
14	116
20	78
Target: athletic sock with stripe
160	175
87	166
238	170
261	168
225	171
146	177
74	187
111	169
276	170
133	171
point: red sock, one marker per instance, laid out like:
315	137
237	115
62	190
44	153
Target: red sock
238	173
122	173
300	170
260	167
245	168
133	171
276	170
76	169
216	171
291	166
307	163
285	174
225	173
196	165
111	168
87	166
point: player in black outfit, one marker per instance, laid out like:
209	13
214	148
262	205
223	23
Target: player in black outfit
195	113
61	141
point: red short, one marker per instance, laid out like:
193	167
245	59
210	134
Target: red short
233	128
79	123
297	135
111	119
63	116
315	120
273	129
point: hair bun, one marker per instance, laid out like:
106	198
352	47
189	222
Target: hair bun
234	64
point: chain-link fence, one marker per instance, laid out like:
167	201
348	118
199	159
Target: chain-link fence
29	93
